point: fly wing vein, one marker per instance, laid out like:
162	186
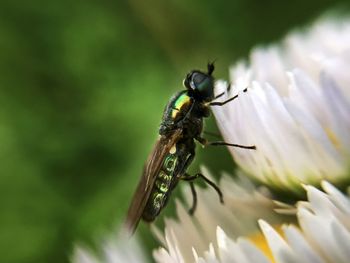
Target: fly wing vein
150	171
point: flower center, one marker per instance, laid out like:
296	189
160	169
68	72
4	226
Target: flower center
332	137
260	242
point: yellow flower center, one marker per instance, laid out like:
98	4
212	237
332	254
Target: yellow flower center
260	242
332	137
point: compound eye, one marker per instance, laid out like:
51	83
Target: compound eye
197	80
201	84
186	81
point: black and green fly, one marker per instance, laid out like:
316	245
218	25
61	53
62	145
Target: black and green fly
181	126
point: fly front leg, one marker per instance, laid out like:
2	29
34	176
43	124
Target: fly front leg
190	179
221	103
205	142
222	93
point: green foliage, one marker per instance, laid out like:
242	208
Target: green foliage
82	89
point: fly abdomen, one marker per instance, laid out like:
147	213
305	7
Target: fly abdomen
161	189
158	197
163	182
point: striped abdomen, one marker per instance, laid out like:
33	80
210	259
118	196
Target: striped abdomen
163	185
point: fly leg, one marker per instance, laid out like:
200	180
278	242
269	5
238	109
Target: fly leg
205	142
191	178
185	117
222	93
194	196
221	103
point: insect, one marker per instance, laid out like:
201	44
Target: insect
181	126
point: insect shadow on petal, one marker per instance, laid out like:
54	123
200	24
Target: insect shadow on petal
181	126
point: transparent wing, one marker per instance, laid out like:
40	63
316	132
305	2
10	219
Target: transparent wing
150	172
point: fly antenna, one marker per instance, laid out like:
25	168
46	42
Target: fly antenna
211	67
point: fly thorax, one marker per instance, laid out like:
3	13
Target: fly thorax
175	111
181	106
205	110
193	127
166	127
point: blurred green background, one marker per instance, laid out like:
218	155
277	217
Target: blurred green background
82	89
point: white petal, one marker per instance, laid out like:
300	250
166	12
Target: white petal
252	253
296	110
337	197
318	230
82	255
342	238
281	251
300	245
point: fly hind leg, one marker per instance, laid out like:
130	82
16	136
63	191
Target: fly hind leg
190	179
194	196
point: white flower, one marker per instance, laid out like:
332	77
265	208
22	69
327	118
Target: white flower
323	234
296	109
297	112
244	205
325	229
115	249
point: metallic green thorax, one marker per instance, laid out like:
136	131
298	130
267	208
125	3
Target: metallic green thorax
176	109
180	103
